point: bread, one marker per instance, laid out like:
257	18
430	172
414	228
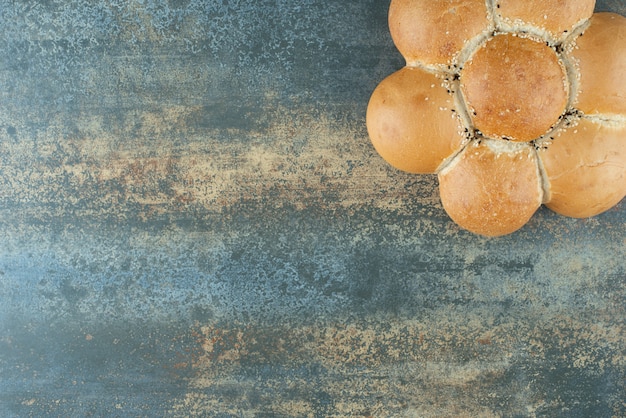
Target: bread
512	175
521	111
432	32
600	56
512	103
585	170
408	124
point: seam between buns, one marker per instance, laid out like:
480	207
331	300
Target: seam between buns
577	30
449	163
569	118
607	120
439	70
572	84
462	115
570	63
544	179
492	8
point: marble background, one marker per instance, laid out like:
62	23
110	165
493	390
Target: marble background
193	222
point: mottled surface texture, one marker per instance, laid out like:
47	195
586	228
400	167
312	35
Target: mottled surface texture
194	223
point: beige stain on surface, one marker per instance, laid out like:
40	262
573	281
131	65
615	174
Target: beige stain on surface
161	160
403	368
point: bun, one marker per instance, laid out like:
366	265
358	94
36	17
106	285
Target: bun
409	120
600	56
514	192
504	83
586	168
511	103
432	31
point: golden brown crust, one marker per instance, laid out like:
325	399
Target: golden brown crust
557	17
492	191
601	57
514	87
586	169
433	32
411	122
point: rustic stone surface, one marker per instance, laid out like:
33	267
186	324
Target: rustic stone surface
194	223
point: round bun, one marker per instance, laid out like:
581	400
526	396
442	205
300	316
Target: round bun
503	83
600	55
433	32
511	103
513	195
410	121
586	169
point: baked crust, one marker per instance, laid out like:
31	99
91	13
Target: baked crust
434	32
492	188
411	121
586	168
505	84
600	55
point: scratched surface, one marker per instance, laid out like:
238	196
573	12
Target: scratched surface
194	223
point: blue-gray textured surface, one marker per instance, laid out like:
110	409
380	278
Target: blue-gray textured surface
194	223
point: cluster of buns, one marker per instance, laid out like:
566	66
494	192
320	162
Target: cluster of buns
512	103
